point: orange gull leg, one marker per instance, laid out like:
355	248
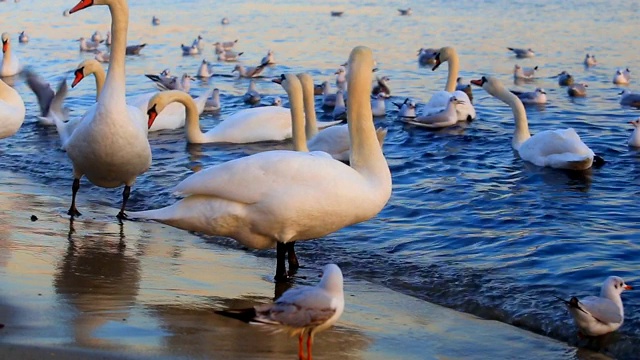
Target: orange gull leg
300	347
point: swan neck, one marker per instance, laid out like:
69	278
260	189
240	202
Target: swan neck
521	133
311	124
115	80
297	118
192	124
366	154
99	75
453	66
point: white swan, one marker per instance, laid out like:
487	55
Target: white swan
276	197
12	110
335	140
440	99
561	149
109	146
10	63
173	117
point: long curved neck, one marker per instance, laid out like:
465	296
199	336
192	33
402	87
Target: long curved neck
99	74
454	67
297	118
192	126
311	124
366	154
114	87
521	133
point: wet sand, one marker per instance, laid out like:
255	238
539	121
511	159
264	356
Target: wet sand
97	289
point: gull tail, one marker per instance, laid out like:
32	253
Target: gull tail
572	303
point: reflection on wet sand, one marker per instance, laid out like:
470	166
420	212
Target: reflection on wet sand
195	329
100	278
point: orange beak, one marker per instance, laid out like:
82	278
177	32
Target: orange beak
79	76
5	46
628	287
83	4
152	113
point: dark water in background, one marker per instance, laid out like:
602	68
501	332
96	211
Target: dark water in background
469	225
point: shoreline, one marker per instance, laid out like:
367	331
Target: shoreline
144	290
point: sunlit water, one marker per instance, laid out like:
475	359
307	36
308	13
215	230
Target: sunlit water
469	225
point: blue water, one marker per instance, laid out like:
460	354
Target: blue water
469	225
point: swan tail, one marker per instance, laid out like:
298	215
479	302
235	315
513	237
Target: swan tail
570	161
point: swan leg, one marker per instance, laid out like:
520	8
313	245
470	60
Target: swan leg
125	197
292	258
281	269
73	211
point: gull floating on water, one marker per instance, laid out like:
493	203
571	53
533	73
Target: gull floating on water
189	50
565	79
205	69
599	315
213	104
464	87
634	139
87	45
382	87
622	77
198	42
337	13
630	98
590	60
405	12
523	53
252	96
248	72
434	118
224	21
172	82
306	310
406	109
268	59
378	105
524	73
23	38
102	56
225	45
538	96
97	37
229	56
340	108
577	90
427	56
135	49
155	21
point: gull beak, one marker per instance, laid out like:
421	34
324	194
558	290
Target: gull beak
628	287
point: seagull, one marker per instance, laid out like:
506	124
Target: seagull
599	315
427	56
135	49
337	13
301	311
629	98
382	87
198	42
229	56
172	82
523	53
225	45
634	139
565	79
268	59
87	45
224	21
524	73
213	104
23	38
155	21
97	37
405	12
250	71
407	109
622	76
538	96
50	102
590	60
577	90
189	50
252	96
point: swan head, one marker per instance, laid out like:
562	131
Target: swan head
83	4
85	68
160	101
5	42
490	84
443	55
289	82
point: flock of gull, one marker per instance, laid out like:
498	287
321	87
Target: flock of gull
275	198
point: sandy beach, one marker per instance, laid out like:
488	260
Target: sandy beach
143	290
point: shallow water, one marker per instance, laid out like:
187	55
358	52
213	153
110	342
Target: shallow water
469	225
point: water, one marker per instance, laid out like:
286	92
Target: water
469	225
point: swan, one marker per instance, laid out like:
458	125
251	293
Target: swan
12	110
441	99
334	140
634	139
10	63
109	146
561	149
173	117
276	197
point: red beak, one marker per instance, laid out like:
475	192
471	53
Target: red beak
152	117
476	82
5	46
628	287
83	4
78	78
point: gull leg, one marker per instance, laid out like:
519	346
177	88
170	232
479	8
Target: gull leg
309	342
301	346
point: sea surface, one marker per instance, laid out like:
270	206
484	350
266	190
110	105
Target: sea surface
469	225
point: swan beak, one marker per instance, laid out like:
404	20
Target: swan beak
277	81
152	113
83	4
628	287
5	46
477	82
79	75
438	62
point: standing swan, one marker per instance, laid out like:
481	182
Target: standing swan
11	110
110	145
276	197
560	149
440	99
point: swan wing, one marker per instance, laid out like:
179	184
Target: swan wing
269	123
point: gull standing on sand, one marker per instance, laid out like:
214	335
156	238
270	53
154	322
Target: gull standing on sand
523	53
301	311
599	315
10	64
